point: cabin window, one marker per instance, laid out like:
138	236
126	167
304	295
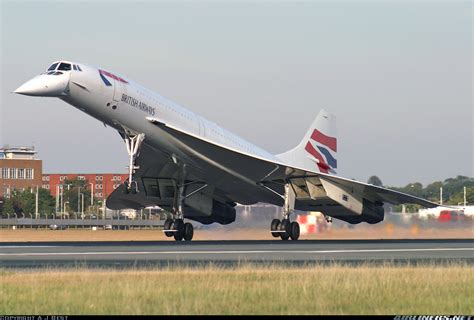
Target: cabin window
74	67
79	68
64	66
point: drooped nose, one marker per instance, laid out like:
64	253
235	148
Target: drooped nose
45	85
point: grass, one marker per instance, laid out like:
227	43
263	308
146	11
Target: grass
321	289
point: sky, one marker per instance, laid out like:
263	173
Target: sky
397	74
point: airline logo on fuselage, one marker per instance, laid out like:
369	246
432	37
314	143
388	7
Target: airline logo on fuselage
326	160
138	104
103	74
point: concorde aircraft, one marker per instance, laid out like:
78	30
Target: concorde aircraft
197	170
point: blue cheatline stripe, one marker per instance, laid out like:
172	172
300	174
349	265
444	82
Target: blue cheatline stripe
331	161
107	83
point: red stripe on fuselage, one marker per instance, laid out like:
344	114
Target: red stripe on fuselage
324	139
323	166
113	76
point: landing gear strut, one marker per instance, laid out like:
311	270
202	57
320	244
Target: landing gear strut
133	143
284	228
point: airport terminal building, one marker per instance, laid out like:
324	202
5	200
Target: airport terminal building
103	184
20	169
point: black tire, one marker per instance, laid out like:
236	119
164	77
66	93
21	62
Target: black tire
188	231
275	226
285	226
167	226
179	227
294	230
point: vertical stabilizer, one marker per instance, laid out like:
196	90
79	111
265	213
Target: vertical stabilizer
318	149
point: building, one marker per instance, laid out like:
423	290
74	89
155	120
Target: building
19	169
103	184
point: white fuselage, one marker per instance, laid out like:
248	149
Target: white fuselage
128	105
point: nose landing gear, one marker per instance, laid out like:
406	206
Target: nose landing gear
133	142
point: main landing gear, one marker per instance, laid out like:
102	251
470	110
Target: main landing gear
176	227
285	229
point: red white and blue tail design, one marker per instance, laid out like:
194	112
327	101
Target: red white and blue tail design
318	149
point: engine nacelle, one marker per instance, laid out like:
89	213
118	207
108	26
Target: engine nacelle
372	212
202	207
221	213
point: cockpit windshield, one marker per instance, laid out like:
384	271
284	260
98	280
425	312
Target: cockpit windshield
64	66
53	66
57	67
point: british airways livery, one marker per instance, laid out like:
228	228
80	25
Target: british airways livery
197	170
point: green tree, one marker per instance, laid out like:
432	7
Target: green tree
46	202
431	191
7	209
452	186
458	198
72	193
23	202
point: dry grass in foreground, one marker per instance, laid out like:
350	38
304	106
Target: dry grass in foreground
321	289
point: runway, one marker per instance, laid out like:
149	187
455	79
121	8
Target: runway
164	253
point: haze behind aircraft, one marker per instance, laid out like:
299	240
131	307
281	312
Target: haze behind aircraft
197	170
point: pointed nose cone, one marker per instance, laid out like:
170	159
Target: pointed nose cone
44	86
30	88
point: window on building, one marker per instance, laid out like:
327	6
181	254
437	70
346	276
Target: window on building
21	173
29	174
81	178
5	173
6	192
12	173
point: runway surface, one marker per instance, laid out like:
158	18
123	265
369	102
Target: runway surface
150	253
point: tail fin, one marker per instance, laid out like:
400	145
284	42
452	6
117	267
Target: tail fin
318	149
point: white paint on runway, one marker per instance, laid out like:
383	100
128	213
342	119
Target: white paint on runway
98	253
34	246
